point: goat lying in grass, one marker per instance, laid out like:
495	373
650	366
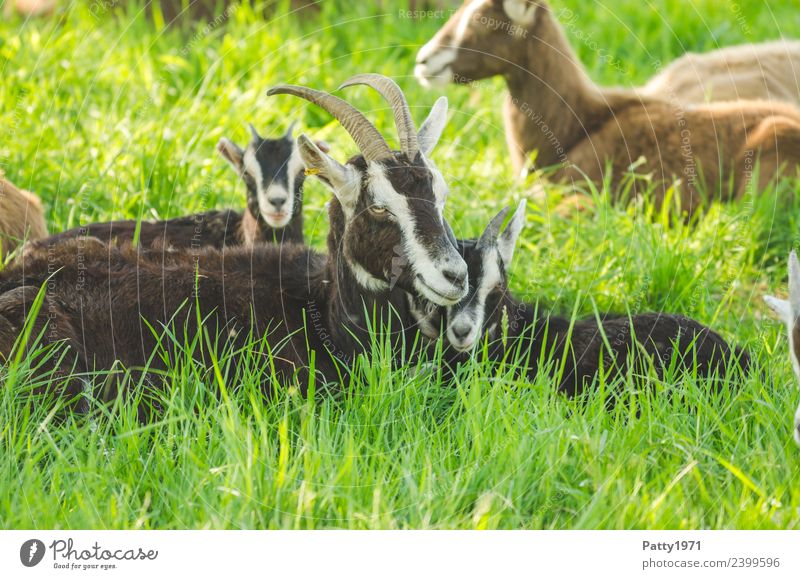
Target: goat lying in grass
312	311
273	172
575	352
582	130
764	71
789	311
21	216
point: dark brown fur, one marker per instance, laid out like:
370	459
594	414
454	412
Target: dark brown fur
100	298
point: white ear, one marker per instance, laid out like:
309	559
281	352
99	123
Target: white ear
431	130
508	239
794	284
231	153
780	307
341	179
522	12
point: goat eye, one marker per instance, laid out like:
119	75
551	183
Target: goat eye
378	211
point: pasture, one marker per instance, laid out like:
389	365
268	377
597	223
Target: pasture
110	114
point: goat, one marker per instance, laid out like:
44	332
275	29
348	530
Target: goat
21	216
554	108
387	236
789	311
764	71
515	329
273	173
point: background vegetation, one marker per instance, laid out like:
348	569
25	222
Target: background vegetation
107	113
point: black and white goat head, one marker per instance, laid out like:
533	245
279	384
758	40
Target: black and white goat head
388	205
273	172
789	311
488	260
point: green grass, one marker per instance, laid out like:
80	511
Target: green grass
117	118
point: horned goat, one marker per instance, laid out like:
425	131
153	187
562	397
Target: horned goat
387	237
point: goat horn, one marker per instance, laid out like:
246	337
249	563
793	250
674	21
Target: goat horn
492	231
389	90
254	132
369	141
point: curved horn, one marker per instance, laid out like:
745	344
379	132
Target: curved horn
369	141
254	132
290	130
389	90
492	231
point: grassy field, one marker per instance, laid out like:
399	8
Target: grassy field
107	115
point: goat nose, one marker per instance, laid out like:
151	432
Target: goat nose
457	278
460	331
277	202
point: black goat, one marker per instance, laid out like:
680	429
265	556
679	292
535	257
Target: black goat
387	236
273	172
516	331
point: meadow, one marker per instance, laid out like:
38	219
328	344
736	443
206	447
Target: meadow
109	113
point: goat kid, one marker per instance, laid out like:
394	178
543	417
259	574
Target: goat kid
311	309
21	217
789	312
512	327
273	173
555	109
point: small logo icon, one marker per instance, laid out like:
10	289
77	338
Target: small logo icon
31	553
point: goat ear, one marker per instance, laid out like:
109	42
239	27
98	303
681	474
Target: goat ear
253	132
521	11
794	284
780	307
431	130
340	179
231	153
508	239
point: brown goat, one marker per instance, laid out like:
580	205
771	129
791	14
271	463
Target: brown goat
554	108
765	71
21	216
387	237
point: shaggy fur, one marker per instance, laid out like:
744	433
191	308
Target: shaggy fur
554	108
575	353
21	216
101	300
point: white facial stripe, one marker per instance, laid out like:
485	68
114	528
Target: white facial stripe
252	167
294	168
475	313
466	18
429	280
436	57
440	188
385	195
